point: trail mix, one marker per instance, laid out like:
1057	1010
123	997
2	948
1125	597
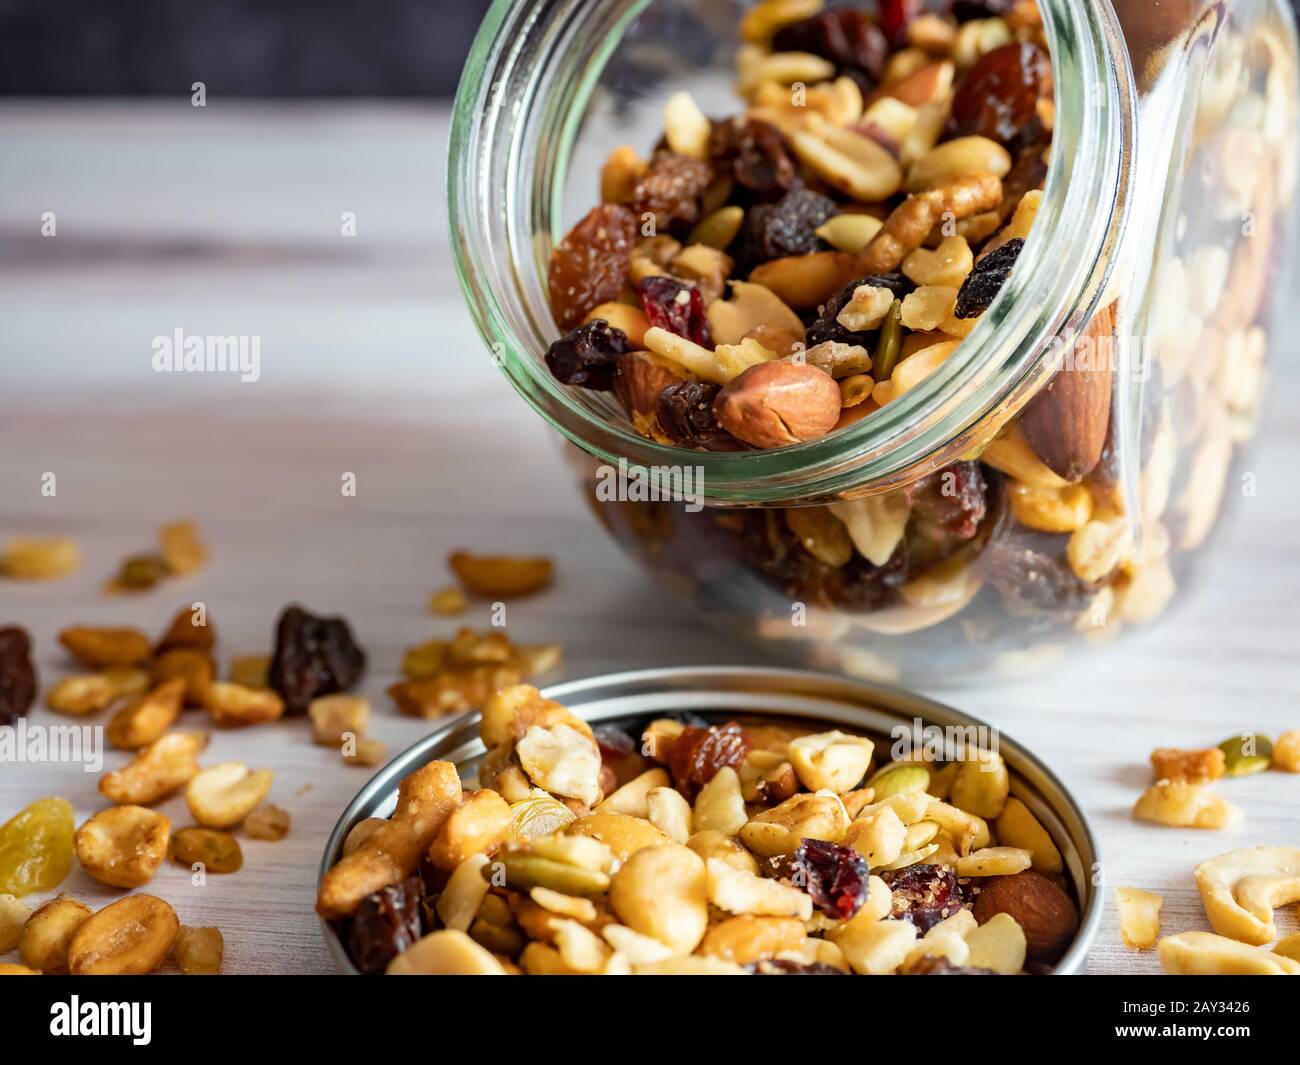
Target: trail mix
768	278
691	846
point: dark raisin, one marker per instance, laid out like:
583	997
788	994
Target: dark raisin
983	283
588	356
686	416
385	924
930	965
845	37
698	753
313	656
756	156
825	327
676	306
771	548
790	967
670	190
923	894
787	227
1032	576
970	10
954	498
614	742
1029	171
998	97
589	266
834	877
17	674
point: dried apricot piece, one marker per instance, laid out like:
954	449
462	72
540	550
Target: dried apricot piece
589	266
501	576
36	847
129	937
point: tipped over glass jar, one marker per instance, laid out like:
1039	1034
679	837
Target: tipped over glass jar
944	325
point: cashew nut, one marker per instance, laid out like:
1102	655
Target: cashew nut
1241	889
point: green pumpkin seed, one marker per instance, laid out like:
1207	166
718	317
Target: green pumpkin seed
718	229
1248	753
899	780
891	343
523	872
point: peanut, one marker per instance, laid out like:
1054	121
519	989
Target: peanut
102	648
123	846
157	770
48	934
145	719
662	892
129	937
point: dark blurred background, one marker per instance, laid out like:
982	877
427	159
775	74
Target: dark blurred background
235	47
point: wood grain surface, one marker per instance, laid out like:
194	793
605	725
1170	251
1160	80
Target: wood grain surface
228	222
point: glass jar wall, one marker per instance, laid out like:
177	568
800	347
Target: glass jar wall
1050	483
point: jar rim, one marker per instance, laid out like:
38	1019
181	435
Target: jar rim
511	92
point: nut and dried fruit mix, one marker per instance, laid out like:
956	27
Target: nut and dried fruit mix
765	279
694	845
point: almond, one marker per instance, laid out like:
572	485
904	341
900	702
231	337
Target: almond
776	404
1066	424
1044	912
922	86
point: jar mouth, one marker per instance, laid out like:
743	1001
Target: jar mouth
532	72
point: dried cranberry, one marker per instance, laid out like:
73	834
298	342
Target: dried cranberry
825	327
589	266
587	356
835	877
686	416
896	16
998	97
845	37
985	281
17	674
790	967
970	10
930	965
385	924
676	306
698	753
671	189
313	656
787	227
756	156
923	894
953	498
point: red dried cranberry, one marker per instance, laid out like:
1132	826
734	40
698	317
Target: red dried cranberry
313	656
676	306
588	356
845	37
589	266
954	499
985	281
896	16
755	154
17	674
698	753
670	190
790	967
998	97
923	894
834	877
385	924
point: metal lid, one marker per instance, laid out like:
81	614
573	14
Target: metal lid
728	690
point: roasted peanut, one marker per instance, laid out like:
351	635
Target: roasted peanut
334	716
1184	805
157	770
28	559
501	576
235	706
129	937
85	693
102	648
145	719
224	795
191	665
662	892
46	936
479	825
123	846
445	953
746	938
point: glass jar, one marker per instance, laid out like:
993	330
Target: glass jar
1098	409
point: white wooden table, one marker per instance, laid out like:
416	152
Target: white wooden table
228	221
